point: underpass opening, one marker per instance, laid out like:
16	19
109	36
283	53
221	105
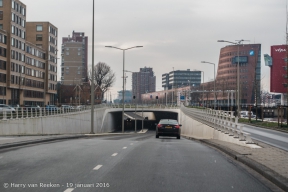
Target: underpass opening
152	117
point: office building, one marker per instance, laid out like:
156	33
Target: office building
74	64
127	94
30	73
143	81
278	69
181	78
226	78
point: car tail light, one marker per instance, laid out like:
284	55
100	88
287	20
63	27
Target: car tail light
177	126
159	126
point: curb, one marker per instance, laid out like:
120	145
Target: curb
29	142
17	144
268	173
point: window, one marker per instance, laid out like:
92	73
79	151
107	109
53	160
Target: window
38	37
20	33
12	41
39	28
3	65
1	15
2	52
1	3
1	26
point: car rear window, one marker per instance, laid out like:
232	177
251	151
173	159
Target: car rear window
168	121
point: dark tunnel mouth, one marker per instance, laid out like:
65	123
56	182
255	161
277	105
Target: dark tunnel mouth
148	124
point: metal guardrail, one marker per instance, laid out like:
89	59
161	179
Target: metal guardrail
155	106
223	121
34	112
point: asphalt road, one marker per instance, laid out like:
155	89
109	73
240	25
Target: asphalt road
137	162
274	138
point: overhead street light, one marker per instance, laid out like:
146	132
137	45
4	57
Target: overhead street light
214	82
238	42
123	78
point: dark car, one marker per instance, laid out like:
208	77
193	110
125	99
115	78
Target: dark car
168	127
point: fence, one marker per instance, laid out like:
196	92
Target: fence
32	112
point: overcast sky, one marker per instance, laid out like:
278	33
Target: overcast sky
174	33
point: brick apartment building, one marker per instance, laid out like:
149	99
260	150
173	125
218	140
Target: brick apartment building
143	81
29	73
74	61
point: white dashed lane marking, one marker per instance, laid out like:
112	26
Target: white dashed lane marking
69	190
124	147
97	167
114	154
131	143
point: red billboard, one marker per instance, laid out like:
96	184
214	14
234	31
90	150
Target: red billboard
278	69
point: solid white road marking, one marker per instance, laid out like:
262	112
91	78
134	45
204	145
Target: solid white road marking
114	154
69	190
124	147
97	167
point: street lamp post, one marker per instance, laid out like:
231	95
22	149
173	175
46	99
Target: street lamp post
203	90
92	78
123	97
238	81
135	115
214	82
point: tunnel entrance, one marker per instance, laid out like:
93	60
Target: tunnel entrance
129	122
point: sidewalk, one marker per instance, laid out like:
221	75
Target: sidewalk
269	161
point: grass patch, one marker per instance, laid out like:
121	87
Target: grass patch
264	123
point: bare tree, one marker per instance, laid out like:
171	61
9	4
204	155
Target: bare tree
104	77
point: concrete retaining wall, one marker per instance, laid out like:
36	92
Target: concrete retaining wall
195	129
72	123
